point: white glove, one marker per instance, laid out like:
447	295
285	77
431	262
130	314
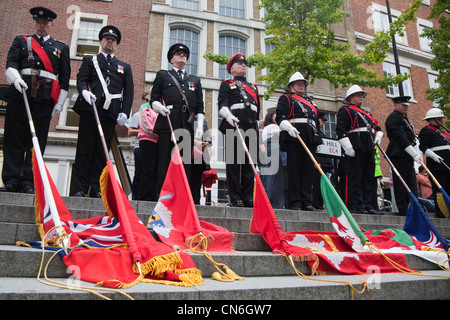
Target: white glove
347	146
430	154
199	130
410	150
227	115
121	119
287	126
378	137
88	96
13	77
61	99
158	107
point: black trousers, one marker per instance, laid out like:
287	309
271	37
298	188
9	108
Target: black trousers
405	167
357	180
300	169
165	146
90	157
17	145
149	171
443	177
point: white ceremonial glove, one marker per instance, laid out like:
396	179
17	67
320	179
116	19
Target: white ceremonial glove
61	99
347	146
88	96
121	119
158	107
227	115
430	154
199	130
378	137
13	77
412	152
285	125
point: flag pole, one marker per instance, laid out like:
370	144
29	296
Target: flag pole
107	157
63	239
310	154
394	168
244	146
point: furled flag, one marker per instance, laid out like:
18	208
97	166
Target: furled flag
420	226
175	218
100	246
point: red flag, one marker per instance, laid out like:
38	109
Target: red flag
175	218
100	249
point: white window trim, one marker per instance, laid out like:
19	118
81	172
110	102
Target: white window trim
76	27
421	24
63	114
395	13
402	65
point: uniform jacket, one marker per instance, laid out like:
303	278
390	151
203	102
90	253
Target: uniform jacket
400	133
289	107
429	137
349	119
230	94
120	81
165	91
58	53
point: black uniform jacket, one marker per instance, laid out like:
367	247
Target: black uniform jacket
58	53
430	137
165	91
120	81
400	133
289	107
348	119
230	94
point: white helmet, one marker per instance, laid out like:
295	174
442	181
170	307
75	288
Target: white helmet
352	90
296	77
434	113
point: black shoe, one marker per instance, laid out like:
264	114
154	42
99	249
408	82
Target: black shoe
376	212
308	208
81	194
248	204
237	203
8	188
27	189
96	195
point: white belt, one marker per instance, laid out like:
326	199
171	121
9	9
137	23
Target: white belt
440	148
242	106
302	120
108	96
363	129
38	72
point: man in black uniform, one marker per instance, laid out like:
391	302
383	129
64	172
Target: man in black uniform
358	131
298	114
109	83
239	103
401	152
40	65
435	144
179	95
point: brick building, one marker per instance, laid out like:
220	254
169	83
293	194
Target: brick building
149	28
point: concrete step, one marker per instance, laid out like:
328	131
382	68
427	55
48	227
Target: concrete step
258	290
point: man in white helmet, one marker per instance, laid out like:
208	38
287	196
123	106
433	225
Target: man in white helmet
435	144
298	114
401	151
358	131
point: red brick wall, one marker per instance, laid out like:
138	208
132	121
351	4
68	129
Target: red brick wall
131	17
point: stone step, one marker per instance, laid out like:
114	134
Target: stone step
16	261
220	296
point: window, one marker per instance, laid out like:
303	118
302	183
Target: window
85	34
68	119
189	38
187	4
432	79
423	25
381	22
229	45
232	8
329	128
389	70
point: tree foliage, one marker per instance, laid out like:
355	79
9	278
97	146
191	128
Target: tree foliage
303	41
